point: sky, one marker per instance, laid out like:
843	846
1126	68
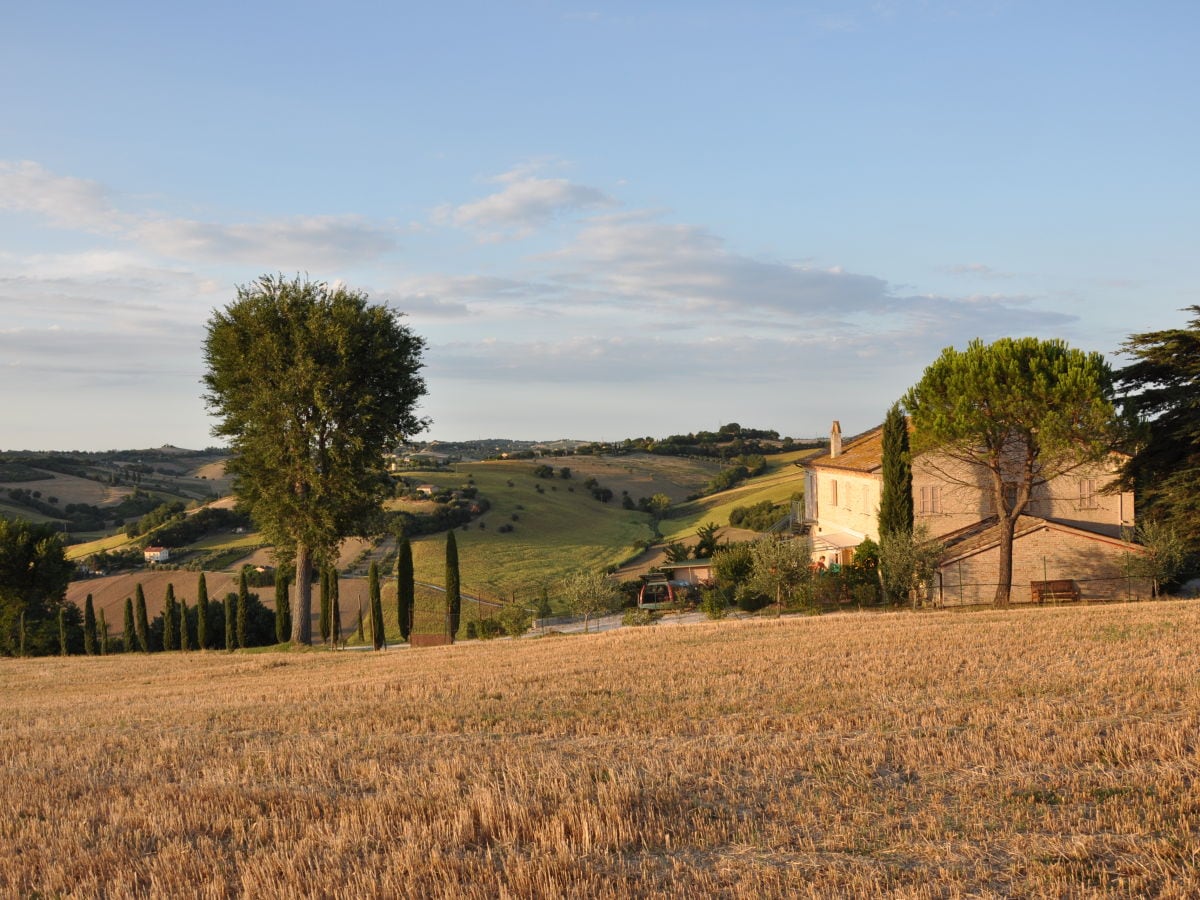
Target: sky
606	220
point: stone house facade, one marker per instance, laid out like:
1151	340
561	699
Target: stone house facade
1071	531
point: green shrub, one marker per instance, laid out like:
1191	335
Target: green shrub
712	603
514	619
637	617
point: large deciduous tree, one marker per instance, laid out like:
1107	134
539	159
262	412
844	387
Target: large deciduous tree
1161	389
311	385
1012	416
33	581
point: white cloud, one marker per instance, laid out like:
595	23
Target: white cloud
525	203
282	243
686	268
273	244
66	202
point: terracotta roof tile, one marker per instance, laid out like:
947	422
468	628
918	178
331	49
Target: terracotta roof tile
862	454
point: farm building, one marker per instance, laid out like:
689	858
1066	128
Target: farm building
1071	536
156	554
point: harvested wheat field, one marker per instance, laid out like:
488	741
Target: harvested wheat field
1047	752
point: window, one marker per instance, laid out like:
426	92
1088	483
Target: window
931	499
1087	493
833	492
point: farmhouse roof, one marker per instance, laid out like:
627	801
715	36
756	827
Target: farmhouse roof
985	534
863	454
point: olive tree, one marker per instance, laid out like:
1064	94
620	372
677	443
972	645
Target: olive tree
311	384
1013	415
589	593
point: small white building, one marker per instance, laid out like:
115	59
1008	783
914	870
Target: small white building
156	554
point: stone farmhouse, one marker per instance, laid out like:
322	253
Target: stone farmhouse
1068	545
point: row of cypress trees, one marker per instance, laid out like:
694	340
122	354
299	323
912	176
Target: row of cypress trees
178	632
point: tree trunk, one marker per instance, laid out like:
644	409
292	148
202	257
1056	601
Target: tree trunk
1004	577
302	604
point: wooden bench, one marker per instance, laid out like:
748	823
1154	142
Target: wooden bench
1063	589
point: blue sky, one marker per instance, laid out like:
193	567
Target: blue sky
607	220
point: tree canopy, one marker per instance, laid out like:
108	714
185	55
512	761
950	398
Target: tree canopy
1015	414
311	384
1161	390
33	581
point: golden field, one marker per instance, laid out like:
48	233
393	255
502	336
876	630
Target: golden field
1035	752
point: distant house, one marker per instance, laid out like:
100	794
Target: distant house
156	554
426	490
1071	534
691	571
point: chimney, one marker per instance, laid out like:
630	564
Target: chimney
835	440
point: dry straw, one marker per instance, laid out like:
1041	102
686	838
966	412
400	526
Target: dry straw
1048	752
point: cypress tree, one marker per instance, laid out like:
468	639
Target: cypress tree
325	604
142	622
376	607
453	588
128	640
62	631
230	638
282	626
405	589
361	637
170	625
895	498
102	633
243	601
335	609
89	627
201	613
185	637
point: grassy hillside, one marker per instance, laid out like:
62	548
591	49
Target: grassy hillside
1043	752
555	532
782	479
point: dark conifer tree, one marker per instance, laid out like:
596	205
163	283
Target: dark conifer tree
405	588
230	633
142	622
129	637
453	588
361	637
283	627
373	592
102	633
202	639
185	635
243	600
89	627
170	615
335	609
325	604
895	497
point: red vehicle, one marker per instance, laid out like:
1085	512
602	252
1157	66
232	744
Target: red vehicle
659	592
